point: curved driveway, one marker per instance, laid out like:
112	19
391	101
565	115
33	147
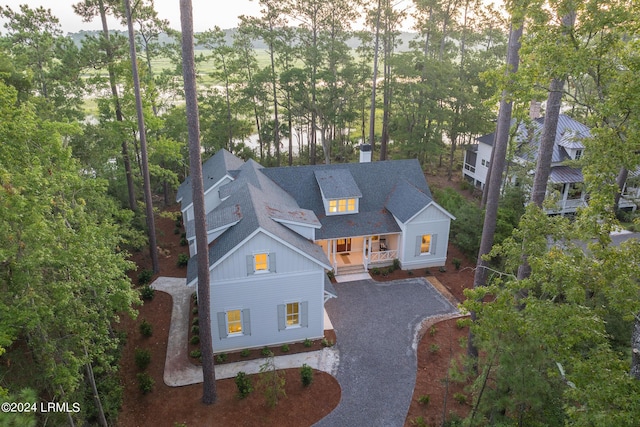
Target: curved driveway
375	324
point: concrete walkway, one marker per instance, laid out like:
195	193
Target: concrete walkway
179	371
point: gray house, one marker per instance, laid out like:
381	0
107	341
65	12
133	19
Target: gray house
566	179
273	234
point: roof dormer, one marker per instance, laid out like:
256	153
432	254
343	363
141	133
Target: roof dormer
340	193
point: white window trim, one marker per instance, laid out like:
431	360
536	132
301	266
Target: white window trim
234	334
286	315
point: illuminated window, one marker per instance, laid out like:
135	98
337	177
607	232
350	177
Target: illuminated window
342	205
234	322
425	245
293	314
261	262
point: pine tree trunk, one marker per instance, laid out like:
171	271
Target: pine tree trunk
635	349
148	199
197	187
493	190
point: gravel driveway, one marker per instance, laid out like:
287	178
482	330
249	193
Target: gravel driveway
375	324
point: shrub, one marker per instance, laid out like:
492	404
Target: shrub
424	399
410	272
272	382
456	263
266	352
194	311
195	354
306	374
461	398
284	348
462	323
326	343
331	275
221	358
147	293
433	330
176	230
195	330
308	343
396	264
145	382
419	421
146	329
179	221
184	241
183	260
442	269
375	271
243	382
195	340
434	348
195	320
145	277
245	352
143	358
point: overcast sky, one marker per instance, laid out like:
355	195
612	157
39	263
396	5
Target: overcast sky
206	13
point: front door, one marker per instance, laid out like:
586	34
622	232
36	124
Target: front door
343	245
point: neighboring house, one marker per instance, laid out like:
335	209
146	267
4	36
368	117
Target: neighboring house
273	233
566	181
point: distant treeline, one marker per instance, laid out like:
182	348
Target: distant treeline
404	38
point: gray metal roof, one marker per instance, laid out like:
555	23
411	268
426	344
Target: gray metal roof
376	181
569	135
565	174
337	183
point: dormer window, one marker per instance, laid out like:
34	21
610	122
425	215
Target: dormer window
578	154
342	205
340	193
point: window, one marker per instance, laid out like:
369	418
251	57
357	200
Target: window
293	314
425	245
342	205
578	154
261	262
234	322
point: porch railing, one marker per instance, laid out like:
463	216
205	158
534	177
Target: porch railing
383	256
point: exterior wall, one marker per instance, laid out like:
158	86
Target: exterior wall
261	297
430	221
295	279
479	177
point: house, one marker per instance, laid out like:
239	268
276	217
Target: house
274	233
565	180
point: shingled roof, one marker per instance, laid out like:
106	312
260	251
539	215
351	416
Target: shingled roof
261	198
376	182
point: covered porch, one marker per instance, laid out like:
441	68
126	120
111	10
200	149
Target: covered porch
350	255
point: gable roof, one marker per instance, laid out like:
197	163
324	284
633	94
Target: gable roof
337	183
406	200
258	201
569	135
376	182
213	170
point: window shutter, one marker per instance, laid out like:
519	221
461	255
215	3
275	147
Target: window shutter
272	262
246	322
304	314
251	267
282	314
222	324
434	244
418	243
